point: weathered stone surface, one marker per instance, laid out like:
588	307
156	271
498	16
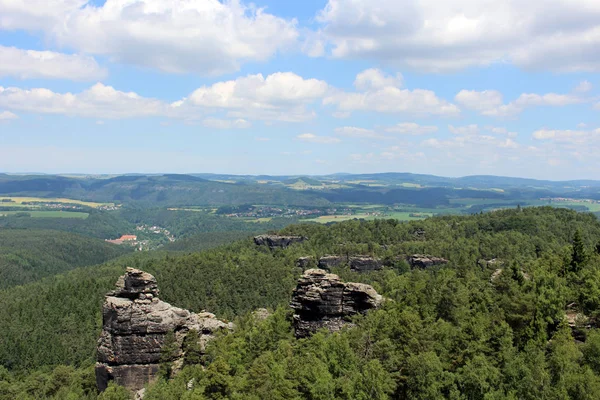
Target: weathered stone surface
304	262
365	264
329	262
425	261
135	325
322	300
274	241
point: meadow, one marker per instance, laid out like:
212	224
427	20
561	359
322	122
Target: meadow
18	202
47	214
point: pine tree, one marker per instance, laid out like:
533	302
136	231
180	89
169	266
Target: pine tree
579	256
168	354
192	349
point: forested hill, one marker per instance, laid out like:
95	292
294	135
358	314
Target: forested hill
165	190
458	331
27	255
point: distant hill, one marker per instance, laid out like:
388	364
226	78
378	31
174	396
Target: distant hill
166	190
27	255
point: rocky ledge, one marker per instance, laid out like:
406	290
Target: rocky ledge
425	261
135	325
356	263
322	300
274	241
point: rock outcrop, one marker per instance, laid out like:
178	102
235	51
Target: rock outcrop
322	300
135	325
425	261
304	262
365	264
329	262
274	241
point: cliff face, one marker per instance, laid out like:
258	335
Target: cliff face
322	300
356	263
274	241
135	325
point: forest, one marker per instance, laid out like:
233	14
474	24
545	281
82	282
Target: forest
458	331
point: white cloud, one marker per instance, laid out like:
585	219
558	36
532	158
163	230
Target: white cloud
584	87
207	37
312	138
7	116
262	139
566	135
28	64
411	128
464	130
373	79
501	131
278	97
354	132
491	103
99	101
226	123
281	96
379	94
434	35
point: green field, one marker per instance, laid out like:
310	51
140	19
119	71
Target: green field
47	214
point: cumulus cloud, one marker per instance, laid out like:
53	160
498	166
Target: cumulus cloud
277	97
99	101
280	96
373	79
584	87
7	116
312	138
381	93
28	64
438	36
567	136
226	123
355	132
491	102
411	128
207	37
464	130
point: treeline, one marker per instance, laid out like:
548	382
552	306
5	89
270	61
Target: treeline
460	331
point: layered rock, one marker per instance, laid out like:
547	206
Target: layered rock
365	264
329	262
322	300
135	325
274	241
425	261
304	262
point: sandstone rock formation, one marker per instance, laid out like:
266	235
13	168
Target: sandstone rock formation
274	241
425	261
329	262
135	325
365	264
321	300
304	262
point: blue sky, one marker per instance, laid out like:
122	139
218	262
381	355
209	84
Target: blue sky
446	87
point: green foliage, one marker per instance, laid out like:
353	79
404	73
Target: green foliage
448	332
579	255
27	255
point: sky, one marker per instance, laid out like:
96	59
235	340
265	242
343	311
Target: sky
444	87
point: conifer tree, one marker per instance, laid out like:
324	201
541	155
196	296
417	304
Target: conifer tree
579	256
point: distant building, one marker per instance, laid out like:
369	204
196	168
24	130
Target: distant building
128	238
